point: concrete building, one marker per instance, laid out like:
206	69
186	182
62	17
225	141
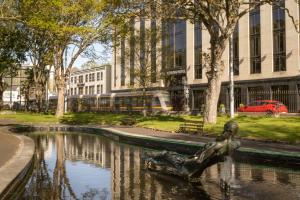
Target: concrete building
90	81
266	52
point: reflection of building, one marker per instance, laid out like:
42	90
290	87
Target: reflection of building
265	53
90	81
129	179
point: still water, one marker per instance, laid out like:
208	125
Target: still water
82	166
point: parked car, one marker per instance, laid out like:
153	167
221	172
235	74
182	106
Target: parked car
268	106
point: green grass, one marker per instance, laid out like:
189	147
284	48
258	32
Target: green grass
30	117
276	129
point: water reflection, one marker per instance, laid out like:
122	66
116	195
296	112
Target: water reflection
72	166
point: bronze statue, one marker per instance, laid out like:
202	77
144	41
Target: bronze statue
191	168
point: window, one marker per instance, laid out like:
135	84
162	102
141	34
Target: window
174	44
86	90
235	46
142	49
93	76
75	91
98	89
86	78
71	79
75	79
80	90
101	76
101	89
91	90
71	91
123	62
255	41
81	79
256	93
98	76
132	51
153	50
90	77
198	99
198	50
279	54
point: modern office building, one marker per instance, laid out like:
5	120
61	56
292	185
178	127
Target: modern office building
266	59
91	81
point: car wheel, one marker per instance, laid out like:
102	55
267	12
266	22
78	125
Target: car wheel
269	113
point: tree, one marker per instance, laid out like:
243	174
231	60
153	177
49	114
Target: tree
76	24
40	54
13	45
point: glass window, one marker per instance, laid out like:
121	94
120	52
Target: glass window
86	78
198	50
98	76
174	44
98	89
255	43
235	46
279	53
123	62
153	50
132	51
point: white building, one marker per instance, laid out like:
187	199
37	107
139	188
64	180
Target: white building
90	81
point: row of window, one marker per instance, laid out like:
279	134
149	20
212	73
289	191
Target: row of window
88	78
174	45
86	90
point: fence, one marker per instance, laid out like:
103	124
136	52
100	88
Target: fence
291	99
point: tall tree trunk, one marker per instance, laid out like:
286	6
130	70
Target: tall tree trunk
60	100
144	103
214	75
212	98
1	99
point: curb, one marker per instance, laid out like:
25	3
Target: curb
13	172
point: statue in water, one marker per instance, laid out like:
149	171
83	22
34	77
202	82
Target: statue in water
191	168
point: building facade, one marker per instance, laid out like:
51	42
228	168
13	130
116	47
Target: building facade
266	59
92	81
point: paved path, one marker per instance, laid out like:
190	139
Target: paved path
16	152
9	145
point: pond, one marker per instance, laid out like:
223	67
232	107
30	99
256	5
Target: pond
83	166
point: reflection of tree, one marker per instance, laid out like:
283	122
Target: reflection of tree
61	183
92	193
40	181
40	184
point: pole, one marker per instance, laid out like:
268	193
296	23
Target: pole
11	83
231	86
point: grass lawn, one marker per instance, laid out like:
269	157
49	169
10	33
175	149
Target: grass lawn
277	129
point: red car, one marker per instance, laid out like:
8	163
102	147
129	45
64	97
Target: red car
268	106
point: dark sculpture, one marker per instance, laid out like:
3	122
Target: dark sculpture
191	168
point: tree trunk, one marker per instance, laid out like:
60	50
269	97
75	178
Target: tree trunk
60	100
1	99
214	75
144	103
212	98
